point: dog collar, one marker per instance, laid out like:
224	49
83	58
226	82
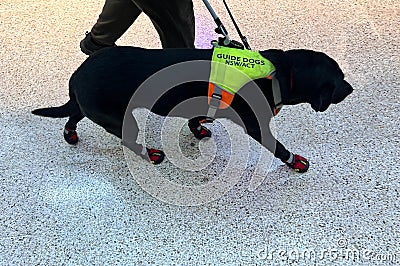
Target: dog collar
231	69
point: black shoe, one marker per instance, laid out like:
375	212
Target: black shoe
89	45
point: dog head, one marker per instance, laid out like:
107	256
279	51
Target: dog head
307	76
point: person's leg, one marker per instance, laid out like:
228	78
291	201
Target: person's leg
115	19
173	20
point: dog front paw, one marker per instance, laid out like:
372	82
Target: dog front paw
299	164
155	156
200	132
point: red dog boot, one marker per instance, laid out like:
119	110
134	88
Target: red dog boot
70	136
155	156
298	164
200	132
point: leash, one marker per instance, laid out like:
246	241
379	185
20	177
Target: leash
242	37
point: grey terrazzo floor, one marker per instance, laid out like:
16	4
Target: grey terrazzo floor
63	205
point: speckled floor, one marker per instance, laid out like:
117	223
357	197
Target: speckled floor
63	205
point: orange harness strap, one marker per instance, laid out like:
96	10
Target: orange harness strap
226	99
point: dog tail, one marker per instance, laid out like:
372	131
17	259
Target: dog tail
68	109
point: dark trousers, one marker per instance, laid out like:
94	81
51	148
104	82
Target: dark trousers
173	20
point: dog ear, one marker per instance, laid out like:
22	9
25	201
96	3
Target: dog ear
321	101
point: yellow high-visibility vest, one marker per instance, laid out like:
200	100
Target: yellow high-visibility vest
232	68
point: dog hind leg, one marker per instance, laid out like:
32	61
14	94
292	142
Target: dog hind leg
70	134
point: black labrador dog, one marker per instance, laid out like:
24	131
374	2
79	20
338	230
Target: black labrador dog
101	89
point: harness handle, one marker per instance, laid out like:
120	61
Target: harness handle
226	41
220	27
